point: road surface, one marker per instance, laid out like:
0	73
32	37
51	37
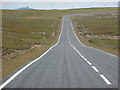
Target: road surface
69	64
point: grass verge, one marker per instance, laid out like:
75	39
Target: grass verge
26	34
98	31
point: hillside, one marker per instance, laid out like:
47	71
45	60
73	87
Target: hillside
25	8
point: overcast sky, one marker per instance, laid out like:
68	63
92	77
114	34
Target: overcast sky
57	5
60	0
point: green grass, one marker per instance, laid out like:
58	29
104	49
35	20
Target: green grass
98	26
102	24
22	29
10	66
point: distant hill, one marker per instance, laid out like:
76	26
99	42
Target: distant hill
25	8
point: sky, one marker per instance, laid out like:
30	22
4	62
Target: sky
57	5
60	0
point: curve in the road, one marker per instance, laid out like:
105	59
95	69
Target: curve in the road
68	64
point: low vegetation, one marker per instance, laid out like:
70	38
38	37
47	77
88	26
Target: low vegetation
26	34
99	30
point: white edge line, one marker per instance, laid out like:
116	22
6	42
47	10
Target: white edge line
21	70
25	67
89	46
95	69
105	79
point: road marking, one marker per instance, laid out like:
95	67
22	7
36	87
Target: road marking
94	68
89	63
21	70
105	79
85	59
89	46
25	67
60	33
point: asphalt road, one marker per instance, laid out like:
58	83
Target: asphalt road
69	64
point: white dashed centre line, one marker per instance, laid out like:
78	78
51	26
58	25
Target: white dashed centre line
105	79
94	68
89	63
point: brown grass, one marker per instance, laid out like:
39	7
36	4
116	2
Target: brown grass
22	30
